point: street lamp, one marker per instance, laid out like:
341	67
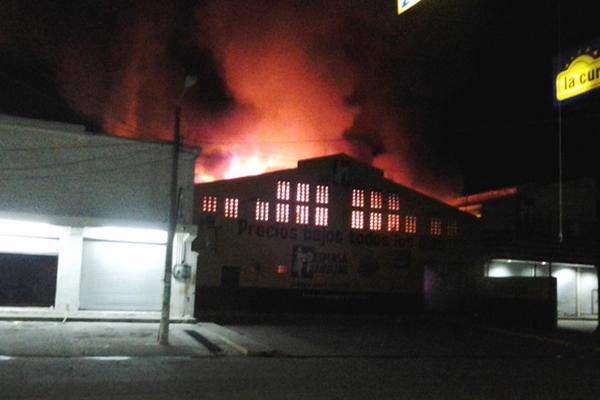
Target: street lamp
163	330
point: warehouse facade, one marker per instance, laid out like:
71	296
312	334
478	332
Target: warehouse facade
332	228
84	219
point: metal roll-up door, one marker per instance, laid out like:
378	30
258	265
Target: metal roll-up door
27	279
122	276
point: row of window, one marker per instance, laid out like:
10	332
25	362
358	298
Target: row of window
375	200
283	192
209	203
361	217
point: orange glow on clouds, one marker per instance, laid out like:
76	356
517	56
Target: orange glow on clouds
293	95
291	110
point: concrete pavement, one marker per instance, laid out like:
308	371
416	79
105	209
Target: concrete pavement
121	339
91	334
51	314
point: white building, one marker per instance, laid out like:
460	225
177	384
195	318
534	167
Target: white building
84	219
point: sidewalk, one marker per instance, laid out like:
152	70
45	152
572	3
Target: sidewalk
120	340
50	314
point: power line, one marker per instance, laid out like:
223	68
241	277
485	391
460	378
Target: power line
63	147
246	142
75	162
81	173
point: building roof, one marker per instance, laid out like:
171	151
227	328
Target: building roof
65	129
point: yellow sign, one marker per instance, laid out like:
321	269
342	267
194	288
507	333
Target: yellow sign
581	76
404	5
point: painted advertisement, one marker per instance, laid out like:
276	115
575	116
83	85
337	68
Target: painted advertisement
308	261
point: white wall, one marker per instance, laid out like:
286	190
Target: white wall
575	283
61	171
58	174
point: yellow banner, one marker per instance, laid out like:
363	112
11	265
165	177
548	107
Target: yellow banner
581	76
404	5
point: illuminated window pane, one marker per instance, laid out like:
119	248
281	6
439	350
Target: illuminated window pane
302	214
376	200
209	204
282	212
282	269
231	207
358	219
375	221
283	190
321	216
393	202
302	192
410	224
393	223
262	210
452	228
322	194
435	226
358	198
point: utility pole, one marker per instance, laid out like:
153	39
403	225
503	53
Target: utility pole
163	331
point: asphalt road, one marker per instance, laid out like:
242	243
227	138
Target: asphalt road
332	358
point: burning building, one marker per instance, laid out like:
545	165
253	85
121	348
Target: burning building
83	222
331	228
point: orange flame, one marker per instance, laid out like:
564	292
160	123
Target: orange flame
294	96
292	112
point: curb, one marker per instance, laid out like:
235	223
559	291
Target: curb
91	319
240	343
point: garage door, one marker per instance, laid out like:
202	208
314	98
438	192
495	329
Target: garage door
27	280
122	276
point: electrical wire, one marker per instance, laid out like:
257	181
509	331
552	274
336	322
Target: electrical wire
67	146
83	173
76	162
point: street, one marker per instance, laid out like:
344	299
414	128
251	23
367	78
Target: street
408	357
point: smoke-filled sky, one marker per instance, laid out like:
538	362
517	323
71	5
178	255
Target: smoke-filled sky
450	97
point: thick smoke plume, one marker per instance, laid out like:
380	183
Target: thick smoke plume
279	81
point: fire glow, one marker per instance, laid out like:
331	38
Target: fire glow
297	82
293	109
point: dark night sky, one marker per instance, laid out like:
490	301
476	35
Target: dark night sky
474	77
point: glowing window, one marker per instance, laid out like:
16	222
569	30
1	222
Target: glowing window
302	192
231	207
435	226
322	194
209	204
393	223
393	202
282	212
321	216
358	219
301	214
375	221
282	269
376	200
410	224
358	198
262	210
283	190
452	228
